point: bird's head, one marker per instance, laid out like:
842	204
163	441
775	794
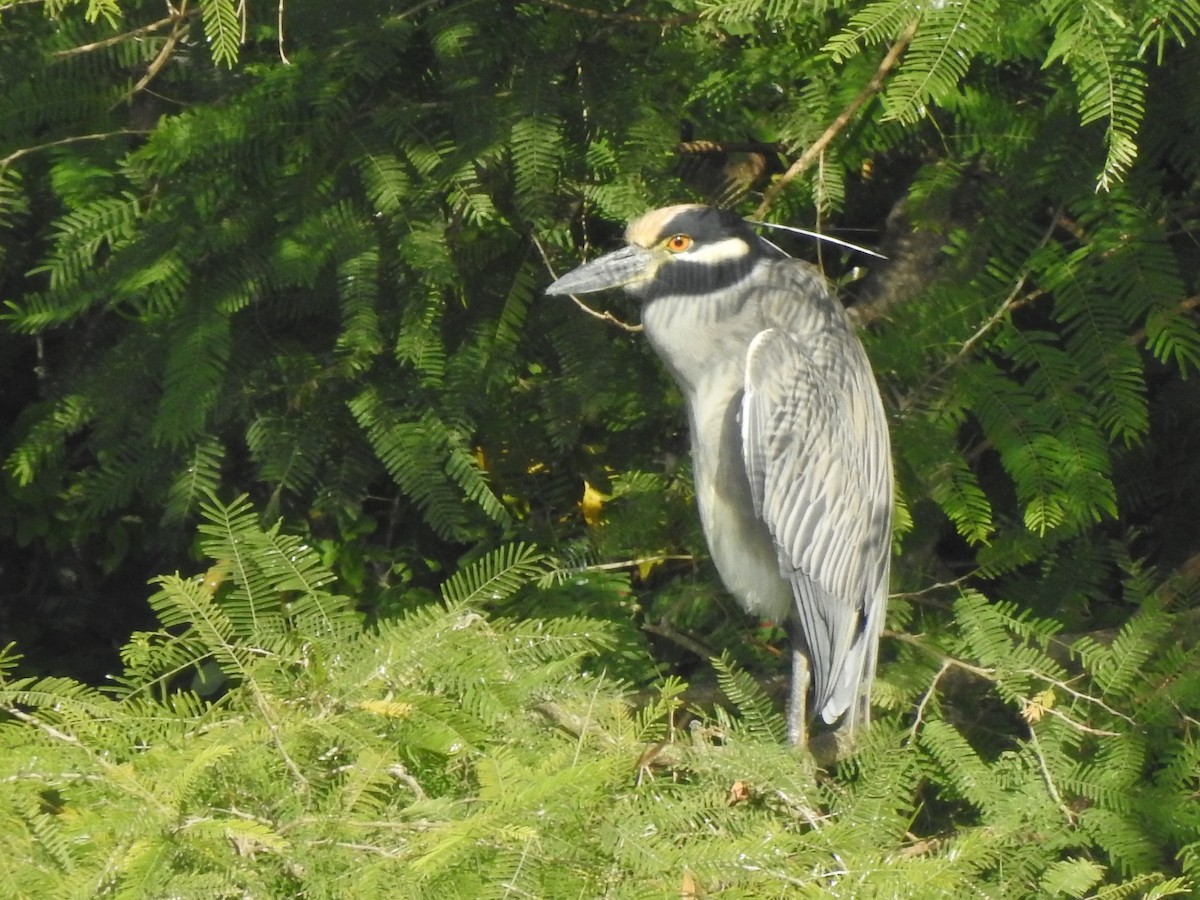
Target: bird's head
677	249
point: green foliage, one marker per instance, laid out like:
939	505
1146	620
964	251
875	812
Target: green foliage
295	253
449	752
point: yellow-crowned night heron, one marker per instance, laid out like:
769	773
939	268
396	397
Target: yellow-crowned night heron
790	449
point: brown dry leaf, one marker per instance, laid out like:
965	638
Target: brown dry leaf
1036	707
739	792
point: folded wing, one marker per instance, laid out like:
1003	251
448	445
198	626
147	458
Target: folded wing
816	452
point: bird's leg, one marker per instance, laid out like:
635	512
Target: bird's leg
797	713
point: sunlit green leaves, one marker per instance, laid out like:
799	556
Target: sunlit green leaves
224	29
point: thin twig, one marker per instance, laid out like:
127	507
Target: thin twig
1037	751
1001	311
606	316
919	846
1078	695
161	58
49	779
676	637
249	817
279	26
511	884
872	87
927	696
937	586
588	718
987	326
603	316
273	730
640	561
6	161
118	38
990	674
401	774
386	852
125	776
1079	726
911	639
577	725
44	726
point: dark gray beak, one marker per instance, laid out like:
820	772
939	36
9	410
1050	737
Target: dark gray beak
620	268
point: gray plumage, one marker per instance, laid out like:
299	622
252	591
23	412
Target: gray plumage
790	448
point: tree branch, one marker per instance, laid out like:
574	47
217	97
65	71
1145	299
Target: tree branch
6	161
1001	311
124	36
872	87
163	55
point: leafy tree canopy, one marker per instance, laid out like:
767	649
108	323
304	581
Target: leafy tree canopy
282	263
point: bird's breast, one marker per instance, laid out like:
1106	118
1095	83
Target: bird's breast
742	547
703	340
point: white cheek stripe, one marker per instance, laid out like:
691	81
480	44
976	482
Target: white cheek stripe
721	251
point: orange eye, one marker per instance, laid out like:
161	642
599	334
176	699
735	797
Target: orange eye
678	243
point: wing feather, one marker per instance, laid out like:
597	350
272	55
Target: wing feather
817	455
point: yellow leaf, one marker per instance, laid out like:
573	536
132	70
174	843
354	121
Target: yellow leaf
592	504
689	887
216	574
390	708
1035	708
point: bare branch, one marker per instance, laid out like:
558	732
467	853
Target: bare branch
44	726
6	161
982	331
1037	751
279	30
606	316
164	54
690	644
124	36
990	674
401	774
926	697
814	151
640	561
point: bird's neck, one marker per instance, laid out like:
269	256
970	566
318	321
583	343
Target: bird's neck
700	336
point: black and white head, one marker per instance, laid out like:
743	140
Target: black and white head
687	249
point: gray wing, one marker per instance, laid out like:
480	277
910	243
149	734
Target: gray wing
816	448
